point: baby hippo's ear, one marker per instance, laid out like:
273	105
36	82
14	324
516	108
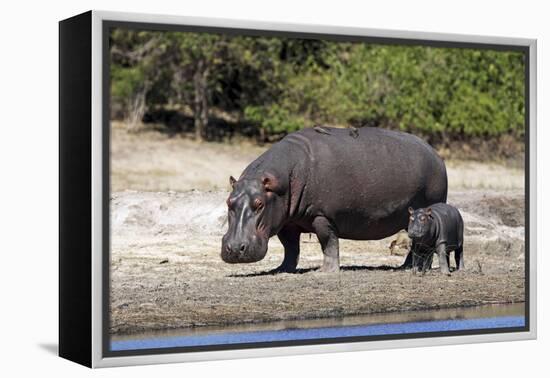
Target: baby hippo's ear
232	181
429	212
411	210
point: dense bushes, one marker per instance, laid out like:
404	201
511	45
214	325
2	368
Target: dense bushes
281	85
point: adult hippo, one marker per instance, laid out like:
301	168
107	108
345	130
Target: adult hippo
333	183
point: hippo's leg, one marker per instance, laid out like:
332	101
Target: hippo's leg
408	263
329	243
290	238
421	260
459	258
415	261
425	262
418	258
443	258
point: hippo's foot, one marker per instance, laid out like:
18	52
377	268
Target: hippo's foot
445	272
419	270
329	269
330	265
283	269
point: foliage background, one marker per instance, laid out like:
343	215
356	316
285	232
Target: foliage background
217	86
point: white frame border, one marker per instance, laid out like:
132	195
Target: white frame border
97	330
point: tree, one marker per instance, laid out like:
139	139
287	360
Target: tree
135	57
280	85
194	62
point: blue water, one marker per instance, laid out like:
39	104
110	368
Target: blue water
321	333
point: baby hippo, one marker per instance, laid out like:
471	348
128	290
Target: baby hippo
438	228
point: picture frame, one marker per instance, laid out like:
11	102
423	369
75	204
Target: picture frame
85	189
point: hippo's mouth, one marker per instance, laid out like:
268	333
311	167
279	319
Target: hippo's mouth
233	258
416	234
251	254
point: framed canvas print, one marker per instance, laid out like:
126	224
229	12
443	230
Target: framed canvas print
232	189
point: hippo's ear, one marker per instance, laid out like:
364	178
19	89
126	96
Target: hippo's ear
429	211
411	210
232	181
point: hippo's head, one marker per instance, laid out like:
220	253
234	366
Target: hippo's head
420	222
256	211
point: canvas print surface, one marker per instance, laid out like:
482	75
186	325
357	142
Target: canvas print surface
281	189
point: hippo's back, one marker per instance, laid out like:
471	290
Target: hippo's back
365	181
450	226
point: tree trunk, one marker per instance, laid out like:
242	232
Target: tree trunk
136	110
200	82
263	135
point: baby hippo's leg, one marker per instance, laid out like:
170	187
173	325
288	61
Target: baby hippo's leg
418	260
422	260
443	258
427	263
459	258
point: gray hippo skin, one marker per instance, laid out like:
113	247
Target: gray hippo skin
438	228
333	184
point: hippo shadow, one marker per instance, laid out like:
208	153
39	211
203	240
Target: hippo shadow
272	272
344	268
366	267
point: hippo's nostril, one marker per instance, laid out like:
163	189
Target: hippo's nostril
242	248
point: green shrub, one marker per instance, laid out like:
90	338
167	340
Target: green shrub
284	84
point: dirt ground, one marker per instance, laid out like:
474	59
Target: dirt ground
168	215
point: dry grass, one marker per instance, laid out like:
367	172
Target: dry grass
151	161
475	175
